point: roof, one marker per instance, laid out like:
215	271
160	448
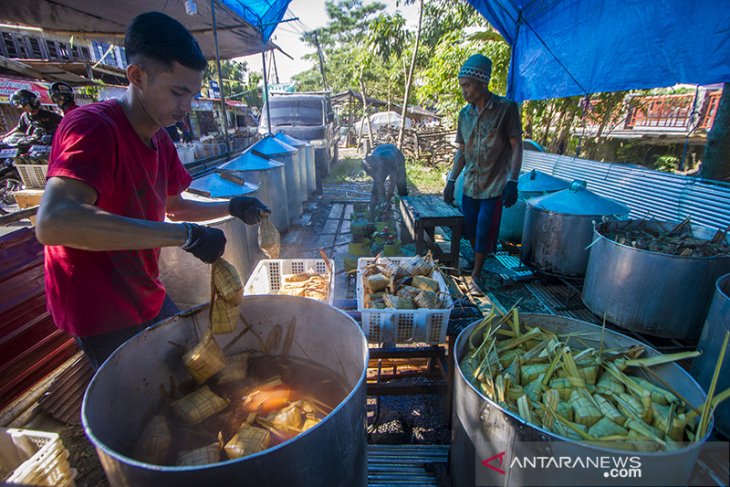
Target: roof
412	110
571	47
107	21
73	73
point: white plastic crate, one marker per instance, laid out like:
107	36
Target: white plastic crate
34	458
402	325
269	274
33	175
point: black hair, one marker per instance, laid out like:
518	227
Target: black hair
160	38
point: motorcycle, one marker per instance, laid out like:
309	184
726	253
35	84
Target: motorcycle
12	148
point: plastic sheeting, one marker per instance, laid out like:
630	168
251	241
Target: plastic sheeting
264	15
571	47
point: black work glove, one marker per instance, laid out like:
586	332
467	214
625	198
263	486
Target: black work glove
205	243
449	192
247	209
509	195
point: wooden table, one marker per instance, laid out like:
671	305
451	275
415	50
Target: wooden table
422	214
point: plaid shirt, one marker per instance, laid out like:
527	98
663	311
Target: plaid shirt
487	150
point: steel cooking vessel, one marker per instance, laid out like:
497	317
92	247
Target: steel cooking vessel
124	394
482	428
301	147
559	228
279	151
650	292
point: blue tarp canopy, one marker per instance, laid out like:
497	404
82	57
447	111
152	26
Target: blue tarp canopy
565	48
264	15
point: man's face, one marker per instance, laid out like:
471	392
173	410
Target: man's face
471	89
167	95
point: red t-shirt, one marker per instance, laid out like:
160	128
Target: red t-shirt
90	293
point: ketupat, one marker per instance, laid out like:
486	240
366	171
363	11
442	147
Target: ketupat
199	405
227	281
205	359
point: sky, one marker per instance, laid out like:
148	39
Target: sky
311	14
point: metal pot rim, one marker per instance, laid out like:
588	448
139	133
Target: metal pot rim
175	469
722	286
596	232
692	445
553	212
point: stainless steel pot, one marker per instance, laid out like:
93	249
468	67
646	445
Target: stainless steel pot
716	325
301	147
124	394
482	429
311	168
650	292
187	278
279	151
559	228
529	185
270	176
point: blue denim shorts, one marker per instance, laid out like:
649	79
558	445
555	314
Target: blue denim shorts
481	222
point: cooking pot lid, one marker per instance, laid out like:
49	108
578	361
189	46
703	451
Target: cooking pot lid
223	184
251	160
538	182
271	146
288	139
577	200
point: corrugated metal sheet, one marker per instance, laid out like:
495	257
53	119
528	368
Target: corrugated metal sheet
649	194
31	346
63	398
407	465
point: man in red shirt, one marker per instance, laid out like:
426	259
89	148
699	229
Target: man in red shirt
113	175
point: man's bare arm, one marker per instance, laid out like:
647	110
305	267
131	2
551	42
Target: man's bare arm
67	216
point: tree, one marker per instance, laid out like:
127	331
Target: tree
410	76
716	161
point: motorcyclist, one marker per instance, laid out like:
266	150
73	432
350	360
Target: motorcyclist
34	117
62	95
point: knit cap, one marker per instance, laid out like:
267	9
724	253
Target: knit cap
478	67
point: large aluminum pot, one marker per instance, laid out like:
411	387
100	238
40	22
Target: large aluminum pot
187	278
301	148
270	176
559	228
650	292
529	185
124	394
482	428
279	151
311	168
716	325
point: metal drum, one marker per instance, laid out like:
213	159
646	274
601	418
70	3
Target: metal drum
529	185
559	228
301	147
187	278
124	394
311	168
482	429
650	292
716	325
270	176
279	151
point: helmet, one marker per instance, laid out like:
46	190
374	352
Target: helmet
61	92
25	97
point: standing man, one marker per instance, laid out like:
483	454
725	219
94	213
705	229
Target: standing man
385	162
63	95
34	118
113	175
489	136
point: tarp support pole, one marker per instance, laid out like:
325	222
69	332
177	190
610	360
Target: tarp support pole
220	77
266	87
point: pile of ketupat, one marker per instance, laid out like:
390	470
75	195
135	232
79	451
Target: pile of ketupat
408	284
591	395
308	284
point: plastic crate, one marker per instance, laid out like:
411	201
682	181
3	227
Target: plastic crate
269	274
33	175
392	326
34	458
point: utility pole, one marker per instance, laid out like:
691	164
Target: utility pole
321	61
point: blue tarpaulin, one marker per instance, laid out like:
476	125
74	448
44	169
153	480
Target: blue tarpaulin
565	48
264	15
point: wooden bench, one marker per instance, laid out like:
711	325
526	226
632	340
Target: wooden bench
421	215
